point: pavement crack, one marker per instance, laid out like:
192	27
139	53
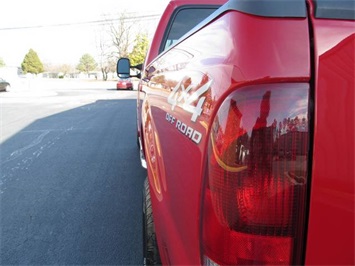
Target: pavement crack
19	152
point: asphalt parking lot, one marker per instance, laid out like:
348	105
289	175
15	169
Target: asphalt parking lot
70	180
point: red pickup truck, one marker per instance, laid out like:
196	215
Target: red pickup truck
246	126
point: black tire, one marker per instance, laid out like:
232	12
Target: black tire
150	248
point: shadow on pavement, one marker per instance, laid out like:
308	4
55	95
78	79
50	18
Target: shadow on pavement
71	189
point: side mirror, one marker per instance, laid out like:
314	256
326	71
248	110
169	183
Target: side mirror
123	68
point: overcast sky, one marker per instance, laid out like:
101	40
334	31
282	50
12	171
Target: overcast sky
58	30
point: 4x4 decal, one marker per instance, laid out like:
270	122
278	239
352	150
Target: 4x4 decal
181	96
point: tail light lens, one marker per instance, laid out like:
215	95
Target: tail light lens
254	197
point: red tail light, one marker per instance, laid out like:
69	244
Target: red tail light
254	198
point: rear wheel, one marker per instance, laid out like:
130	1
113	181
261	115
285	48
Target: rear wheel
150	248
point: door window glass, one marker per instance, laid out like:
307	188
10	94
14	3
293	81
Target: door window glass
184	21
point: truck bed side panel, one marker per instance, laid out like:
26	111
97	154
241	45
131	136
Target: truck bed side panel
234	50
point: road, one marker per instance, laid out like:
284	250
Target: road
70	176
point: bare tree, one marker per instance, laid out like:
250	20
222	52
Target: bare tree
116	39
66	69
122	34
106	56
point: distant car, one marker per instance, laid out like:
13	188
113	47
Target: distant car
4	85
125	84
